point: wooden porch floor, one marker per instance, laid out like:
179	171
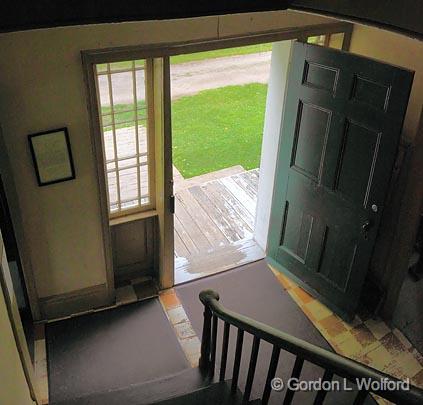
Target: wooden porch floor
214	225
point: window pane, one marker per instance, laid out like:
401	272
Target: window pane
144	184
109	149
122	88
140	78
125	65
125	117
128	182
126	142
139	63
112	187
103	90
142	137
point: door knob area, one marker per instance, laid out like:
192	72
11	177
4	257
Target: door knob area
366	227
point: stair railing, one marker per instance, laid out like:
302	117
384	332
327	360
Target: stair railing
332	363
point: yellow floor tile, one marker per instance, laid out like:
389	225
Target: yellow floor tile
363	335
170	300
192	349
318	310
418	379
333	325
304	296
377	327
350	347
379	358
405	364
184	330
177	315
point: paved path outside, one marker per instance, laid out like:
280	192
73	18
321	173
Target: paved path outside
192	77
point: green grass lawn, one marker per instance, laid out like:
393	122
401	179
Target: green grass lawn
242	50
218	128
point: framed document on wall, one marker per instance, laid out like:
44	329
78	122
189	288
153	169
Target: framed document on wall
52	156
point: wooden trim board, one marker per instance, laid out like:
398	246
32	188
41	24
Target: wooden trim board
63	305
178	48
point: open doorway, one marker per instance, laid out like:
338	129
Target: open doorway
218	108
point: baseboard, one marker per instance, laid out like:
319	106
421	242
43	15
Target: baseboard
86	299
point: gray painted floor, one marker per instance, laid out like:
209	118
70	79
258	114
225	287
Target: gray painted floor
253	290
110	350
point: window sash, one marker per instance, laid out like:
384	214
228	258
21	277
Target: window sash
114	132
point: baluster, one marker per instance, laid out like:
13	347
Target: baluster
270	375
213	347
205	340
296	371
251	370
321	394
360	398
225	344
237	361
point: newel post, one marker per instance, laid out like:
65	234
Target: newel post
205	297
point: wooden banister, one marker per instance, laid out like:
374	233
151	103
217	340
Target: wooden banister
332	363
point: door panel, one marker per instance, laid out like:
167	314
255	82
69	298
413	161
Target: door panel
342	122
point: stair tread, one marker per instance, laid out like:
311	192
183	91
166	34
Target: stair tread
214	394
149	392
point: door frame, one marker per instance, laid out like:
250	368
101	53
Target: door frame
162	112
6	288
21	242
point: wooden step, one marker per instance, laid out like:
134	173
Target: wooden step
180	384
215	394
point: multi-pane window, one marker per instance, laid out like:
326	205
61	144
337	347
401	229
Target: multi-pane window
123	109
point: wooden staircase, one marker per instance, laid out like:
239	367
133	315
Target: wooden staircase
200	386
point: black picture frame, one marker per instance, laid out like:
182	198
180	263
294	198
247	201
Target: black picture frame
56	156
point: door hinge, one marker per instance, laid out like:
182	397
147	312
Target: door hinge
172	204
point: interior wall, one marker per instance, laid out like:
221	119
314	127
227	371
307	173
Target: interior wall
13	388
398	50
41	88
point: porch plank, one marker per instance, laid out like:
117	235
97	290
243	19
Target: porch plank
180	248
190	246
194	232
204	223
227	226
219	193
251	179
240	194
246	186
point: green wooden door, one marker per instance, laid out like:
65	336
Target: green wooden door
342	123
